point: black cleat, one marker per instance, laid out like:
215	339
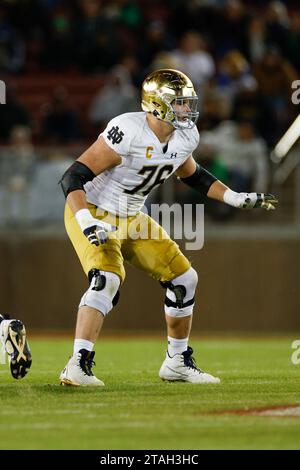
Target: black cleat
16	346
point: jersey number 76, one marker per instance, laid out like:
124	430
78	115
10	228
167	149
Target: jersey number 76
151	171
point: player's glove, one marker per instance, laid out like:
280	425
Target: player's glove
96	231
250	200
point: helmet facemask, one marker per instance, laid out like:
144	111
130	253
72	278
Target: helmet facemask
182	112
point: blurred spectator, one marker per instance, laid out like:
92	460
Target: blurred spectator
203	16
59	54
156	40
256	39
32	20
277	24
275	76
12	47
164	60
249	104
60	124
215	108
238	157
46	201
125	12
96	43
180	18
17	162
132	66
234	74
17	167
118	96
240	153
195	61
12	114
293	41
230	27
130	13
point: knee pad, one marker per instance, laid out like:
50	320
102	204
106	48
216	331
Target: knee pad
180	295
103	293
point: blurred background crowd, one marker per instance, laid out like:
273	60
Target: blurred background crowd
72	65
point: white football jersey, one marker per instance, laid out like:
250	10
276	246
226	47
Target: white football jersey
146	163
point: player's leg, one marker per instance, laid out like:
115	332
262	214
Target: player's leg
104	267
179	304
163	260
89	324
15	345
95	304
179	328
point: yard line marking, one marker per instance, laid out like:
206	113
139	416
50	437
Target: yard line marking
276	411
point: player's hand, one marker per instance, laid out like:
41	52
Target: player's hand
250	200
258	200
96	231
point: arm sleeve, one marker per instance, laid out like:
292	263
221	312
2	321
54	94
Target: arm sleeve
201	180
76	176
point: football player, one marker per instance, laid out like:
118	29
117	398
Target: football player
15	345
105	191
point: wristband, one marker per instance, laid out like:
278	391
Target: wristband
84	218
232	198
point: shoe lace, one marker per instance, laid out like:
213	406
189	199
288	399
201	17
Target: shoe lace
189	361
86	364
89	364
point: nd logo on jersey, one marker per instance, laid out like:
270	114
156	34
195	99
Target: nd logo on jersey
115	135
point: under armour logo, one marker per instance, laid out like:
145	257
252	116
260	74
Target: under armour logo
115	135
173	155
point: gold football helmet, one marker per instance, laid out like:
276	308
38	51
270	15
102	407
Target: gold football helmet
170	96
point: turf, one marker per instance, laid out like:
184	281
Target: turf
135	410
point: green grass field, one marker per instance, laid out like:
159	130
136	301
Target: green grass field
138	411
